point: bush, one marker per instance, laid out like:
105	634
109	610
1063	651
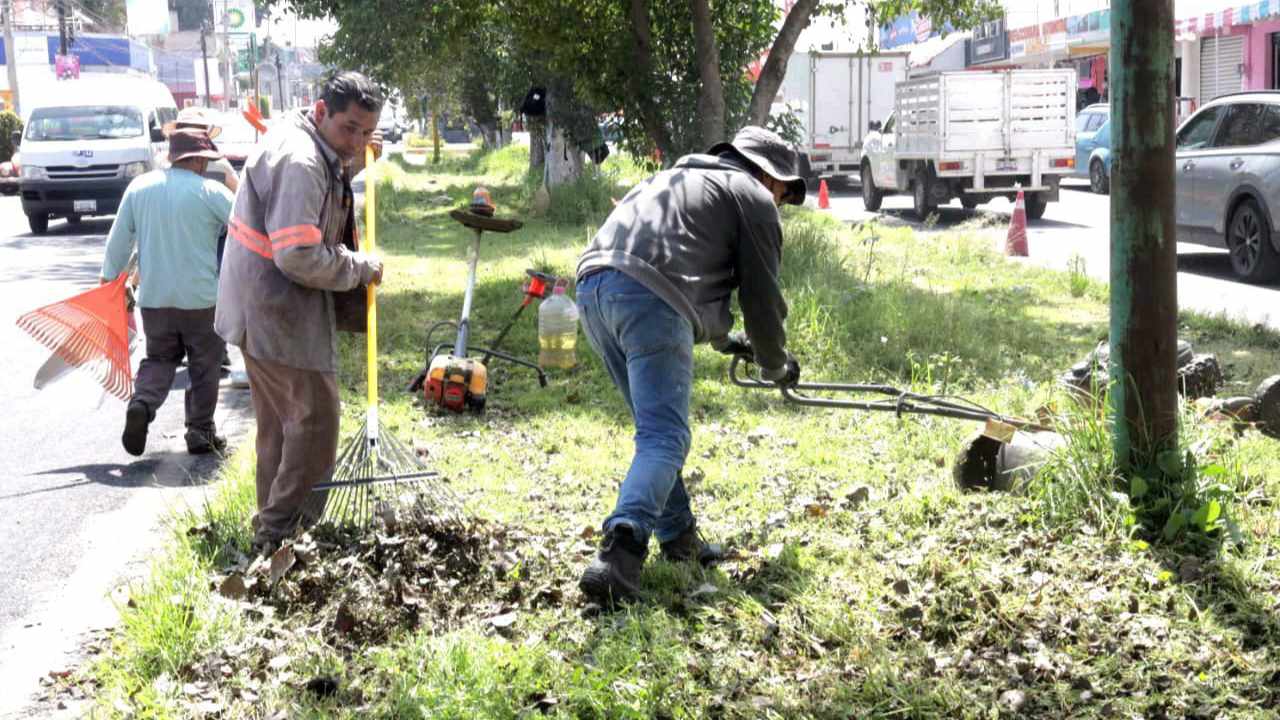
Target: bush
586	200
9	122
416	140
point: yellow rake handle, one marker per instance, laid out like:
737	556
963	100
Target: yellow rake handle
370	235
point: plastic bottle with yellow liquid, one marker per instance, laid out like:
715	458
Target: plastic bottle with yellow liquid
557	331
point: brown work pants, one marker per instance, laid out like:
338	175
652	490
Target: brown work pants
297	441
172	334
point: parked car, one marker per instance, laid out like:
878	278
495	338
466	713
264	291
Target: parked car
391	130
1093	147
9	172
237	139
1228	181
85	140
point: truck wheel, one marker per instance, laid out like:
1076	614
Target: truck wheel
1036	205
922	194
73	219
1253	259
968	201
39	223
1099	180
871	196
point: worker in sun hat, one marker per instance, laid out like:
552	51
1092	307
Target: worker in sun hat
174	216
656	279
197	118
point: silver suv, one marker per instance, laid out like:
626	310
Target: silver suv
1228	181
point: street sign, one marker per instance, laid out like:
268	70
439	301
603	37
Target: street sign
238	14
67	67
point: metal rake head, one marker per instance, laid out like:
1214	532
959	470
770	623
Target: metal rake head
373	478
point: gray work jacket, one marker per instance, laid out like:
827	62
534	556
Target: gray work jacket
694	233
285	254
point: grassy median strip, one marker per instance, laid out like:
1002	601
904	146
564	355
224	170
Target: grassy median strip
861	582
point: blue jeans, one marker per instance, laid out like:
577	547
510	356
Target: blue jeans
648	349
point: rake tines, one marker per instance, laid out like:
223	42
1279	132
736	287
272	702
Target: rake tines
372	475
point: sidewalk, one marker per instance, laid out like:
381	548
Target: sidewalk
117	549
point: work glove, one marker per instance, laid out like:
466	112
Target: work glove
737	344
785	376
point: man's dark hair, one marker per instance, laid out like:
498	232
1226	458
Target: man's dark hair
344	88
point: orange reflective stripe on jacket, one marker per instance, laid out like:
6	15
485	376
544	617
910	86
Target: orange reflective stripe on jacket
279	240
295	235
250	238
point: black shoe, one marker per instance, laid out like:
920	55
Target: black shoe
265	547
614	574
202	442
689	545
136	420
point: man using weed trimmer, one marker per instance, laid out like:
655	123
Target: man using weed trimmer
292	255
656	279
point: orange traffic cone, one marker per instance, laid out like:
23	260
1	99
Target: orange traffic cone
824	199
1015	244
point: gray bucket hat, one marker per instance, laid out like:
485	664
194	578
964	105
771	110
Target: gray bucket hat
769	152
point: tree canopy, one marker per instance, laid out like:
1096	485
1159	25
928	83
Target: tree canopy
672	73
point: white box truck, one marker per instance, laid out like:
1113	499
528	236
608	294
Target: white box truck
836	96
974	135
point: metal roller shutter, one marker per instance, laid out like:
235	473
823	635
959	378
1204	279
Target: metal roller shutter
1221	64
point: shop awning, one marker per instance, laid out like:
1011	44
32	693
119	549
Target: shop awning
1211	23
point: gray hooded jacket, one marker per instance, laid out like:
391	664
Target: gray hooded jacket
694	233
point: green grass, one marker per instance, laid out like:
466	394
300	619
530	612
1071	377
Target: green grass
863	583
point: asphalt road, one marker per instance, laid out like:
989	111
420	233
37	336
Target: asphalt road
1079	224
77	513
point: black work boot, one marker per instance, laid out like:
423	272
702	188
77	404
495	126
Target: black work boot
689	545
204	441
136	420
614	573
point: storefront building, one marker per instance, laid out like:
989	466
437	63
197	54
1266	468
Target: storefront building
1220	48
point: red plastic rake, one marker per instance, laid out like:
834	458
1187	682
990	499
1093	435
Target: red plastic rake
89	331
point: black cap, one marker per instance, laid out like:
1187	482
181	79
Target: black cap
771	154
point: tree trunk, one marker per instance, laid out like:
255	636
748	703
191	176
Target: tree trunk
435	137
537	144
651	117
775	67
563	163
489	131
707	55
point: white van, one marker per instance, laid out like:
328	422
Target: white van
86	140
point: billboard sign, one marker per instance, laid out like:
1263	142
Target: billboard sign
990	43
147	17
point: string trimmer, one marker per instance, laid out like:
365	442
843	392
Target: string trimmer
451	379
1005	444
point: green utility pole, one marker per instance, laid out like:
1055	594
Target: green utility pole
1144	291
